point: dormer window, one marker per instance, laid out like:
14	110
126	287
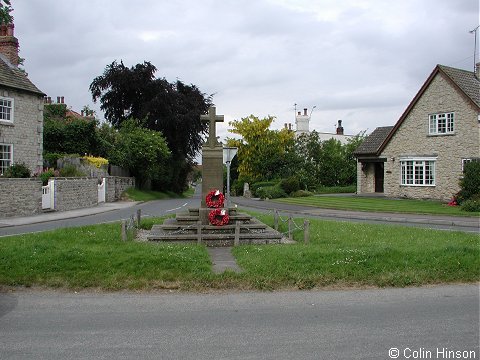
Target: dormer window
441	124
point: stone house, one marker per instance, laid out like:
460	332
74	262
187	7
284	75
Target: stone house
423	154
21	109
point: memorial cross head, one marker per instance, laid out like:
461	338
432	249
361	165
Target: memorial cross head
212	119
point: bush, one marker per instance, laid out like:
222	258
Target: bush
70	170
301	193
470	184
19	170
290	185
271	192
255	186
472	204
47	174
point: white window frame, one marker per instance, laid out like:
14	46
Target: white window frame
417	171
467	160
5	162
441	123
7	116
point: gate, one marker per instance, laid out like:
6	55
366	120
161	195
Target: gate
101	191
48	195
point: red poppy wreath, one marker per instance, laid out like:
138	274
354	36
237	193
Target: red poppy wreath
214	199
218	217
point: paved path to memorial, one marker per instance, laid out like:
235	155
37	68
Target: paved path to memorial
354	324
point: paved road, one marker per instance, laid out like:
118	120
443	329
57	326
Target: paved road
122	210
441	222
102	214
358	324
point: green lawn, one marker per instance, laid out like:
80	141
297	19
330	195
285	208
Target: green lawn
339	254
378	205
148	195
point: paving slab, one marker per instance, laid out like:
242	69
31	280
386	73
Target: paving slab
222	260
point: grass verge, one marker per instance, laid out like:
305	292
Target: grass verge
339	254
379	205
148	195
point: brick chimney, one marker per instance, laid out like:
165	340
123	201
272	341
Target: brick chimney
339	128
9	43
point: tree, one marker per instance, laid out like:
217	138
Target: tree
142	151
263	154
326	163
5	10
62	134
172	108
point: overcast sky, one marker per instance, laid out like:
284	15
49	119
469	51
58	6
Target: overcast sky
361	61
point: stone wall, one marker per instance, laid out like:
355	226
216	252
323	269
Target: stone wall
20	197
365	177
25	132
412	139
23	197
116	186
75	193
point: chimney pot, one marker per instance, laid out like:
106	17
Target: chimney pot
62	99
339	128
58	99
299	113
9	44
305	112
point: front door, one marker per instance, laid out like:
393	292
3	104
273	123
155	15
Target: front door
379	176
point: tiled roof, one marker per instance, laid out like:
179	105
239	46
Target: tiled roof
373	141
465	80
12	77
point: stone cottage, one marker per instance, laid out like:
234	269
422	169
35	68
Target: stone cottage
423	154
21	109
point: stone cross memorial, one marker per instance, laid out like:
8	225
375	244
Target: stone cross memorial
212	159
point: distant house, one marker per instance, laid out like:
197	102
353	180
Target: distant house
302	124
21	109
423	154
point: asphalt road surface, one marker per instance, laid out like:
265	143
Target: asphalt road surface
148	209
433	322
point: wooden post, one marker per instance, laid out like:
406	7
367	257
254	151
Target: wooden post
275	219
139	218
306	231
124	230
236	242
199	233
290	225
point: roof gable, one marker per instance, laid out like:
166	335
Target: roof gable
12	77
372	143
465	82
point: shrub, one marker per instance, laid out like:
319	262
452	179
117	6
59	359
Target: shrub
70	170
472	204
301	193
271	192
47	174
470	184
19	170
255	186
96	161
290	185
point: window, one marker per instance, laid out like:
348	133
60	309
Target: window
6	156
6	109
465	161
441	123
418	172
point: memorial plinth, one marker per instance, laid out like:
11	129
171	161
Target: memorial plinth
194	226
212	162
